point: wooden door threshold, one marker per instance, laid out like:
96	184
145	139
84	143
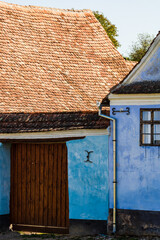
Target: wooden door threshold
39	229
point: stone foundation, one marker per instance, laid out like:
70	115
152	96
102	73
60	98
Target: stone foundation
4	223
135	222
87	227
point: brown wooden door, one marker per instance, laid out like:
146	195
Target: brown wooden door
39	187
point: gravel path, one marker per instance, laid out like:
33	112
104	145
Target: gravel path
16	236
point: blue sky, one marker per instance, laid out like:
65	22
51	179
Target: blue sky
130	16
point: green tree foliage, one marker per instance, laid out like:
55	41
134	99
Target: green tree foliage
110	28
140	47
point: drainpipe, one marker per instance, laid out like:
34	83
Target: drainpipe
114	163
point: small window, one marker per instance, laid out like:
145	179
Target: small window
150	127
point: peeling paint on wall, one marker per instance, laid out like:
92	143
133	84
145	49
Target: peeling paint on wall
88	182
151	72
138	167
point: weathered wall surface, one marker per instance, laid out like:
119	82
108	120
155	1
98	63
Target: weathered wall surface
138	167
88	182
4	178
151	71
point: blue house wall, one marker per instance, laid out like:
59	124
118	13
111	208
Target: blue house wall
88	182
4	178
138	167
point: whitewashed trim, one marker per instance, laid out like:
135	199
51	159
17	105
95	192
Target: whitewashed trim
55	134
134	99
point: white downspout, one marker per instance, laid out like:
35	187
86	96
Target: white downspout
114	164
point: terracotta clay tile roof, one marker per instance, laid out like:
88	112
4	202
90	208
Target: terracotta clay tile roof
54	60
139	87
130	64
40	122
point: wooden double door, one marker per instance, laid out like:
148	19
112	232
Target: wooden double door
39	188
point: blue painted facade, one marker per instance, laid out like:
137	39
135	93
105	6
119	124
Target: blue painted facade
88	182
4	178
138	167
151	70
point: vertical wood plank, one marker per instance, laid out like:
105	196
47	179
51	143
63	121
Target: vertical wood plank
54	197
12	184
63	193
66	185
24	186
45	184
50	184
33	163
15	184
19	185
28	183
37	199
59	173
41	184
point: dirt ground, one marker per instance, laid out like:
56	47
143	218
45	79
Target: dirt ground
24	236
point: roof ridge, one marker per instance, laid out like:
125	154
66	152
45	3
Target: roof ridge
30	7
